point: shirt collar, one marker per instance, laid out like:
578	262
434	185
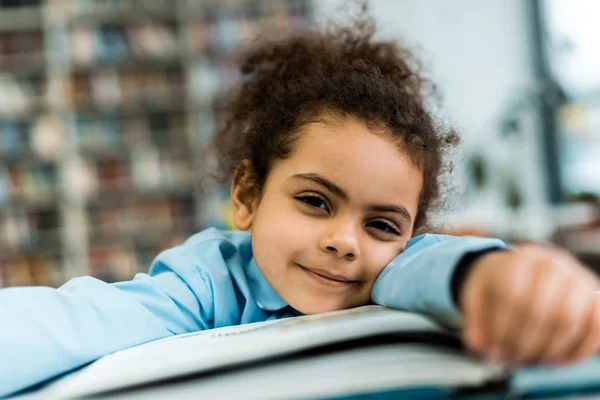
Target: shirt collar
266	297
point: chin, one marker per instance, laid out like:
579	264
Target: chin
316	307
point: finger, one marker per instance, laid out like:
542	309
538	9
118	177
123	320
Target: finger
474	315
530	333
575	319
562	333
510	313
590	342
545	316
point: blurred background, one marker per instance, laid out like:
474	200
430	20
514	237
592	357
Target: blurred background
106	105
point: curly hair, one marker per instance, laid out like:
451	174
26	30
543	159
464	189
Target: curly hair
290	81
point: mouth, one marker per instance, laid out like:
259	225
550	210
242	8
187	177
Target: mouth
328	279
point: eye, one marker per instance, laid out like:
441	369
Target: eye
313	201
384	227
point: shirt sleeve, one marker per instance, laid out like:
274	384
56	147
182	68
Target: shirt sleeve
419	279
46	332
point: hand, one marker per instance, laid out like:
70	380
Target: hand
531	304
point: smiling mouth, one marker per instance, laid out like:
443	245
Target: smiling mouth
327	279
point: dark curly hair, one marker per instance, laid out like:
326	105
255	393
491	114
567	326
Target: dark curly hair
343	71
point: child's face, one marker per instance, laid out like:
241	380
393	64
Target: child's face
332	215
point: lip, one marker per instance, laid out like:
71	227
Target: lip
327	278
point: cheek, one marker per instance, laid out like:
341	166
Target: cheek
279	226
286	217
380	256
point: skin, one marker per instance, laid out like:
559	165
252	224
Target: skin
534	304
300	222
530	304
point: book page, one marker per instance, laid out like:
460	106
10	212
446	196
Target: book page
369	369
219	348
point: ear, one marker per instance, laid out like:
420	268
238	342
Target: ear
244	196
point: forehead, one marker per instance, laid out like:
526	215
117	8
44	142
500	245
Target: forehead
367	165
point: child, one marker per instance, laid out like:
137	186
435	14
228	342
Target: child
336	167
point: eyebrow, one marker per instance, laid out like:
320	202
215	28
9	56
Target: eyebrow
335	189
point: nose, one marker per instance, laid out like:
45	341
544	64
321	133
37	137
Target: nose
341	242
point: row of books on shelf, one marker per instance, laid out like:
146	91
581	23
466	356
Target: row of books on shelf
211	79
109	89
134	43
155	88
106	262
219	33
125	239
23	139
122	240
21	95
109	263
18	4
19	42
103	10
112	263
219	37
284	13
31	271
28	183
164	130
25	230
44	137
147	172
118	32
113	44
141	221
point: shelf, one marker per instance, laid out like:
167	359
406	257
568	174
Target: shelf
125	15
142	239
108	198
34	109
125	153
31	205
23	64
20	19
11	254
97	152
133	96
135	64
46	243
128	109
21	156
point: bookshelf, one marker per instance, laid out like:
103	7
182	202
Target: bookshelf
105	107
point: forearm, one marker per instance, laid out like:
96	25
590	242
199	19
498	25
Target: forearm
46	332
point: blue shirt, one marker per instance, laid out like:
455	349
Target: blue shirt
208	282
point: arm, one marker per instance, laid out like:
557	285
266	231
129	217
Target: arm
420	278
46	332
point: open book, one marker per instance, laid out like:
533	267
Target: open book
345	353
